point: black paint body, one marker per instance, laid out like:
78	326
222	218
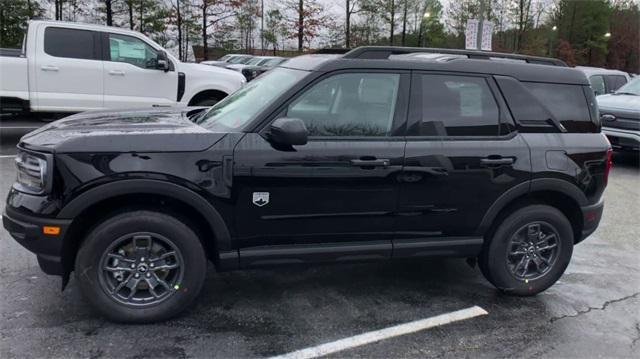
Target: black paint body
432	196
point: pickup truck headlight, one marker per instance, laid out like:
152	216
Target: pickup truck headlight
33	173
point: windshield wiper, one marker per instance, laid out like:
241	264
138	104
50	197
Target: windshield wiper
626	93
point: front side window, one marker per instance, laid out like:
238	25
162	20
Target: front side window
449	106
132	51
615	82
70	43
350	104
235	111
597	84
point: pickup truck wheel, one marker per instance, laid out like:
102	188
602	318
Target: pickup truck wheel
141	266
529	251
208	101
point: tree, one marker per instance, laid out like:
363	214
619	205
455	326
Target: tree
211	13
14	15
274	25
307	20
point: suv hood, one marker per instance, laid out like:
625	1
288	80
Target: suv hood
622	102
141	130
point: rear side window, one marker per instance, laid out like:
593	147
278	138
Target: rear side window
567	103
450	106
70	43
614	82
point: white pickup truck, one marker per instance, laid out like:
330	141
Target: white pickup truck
68	67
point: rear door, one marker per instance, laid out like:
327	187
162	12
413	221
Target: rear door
131	78
68	70
462	154
342	186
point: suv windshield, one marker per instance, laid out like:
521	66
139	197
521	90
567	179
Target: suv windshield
632	88
237	109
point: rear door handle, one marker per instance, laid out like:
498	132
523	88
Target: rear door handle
116	73
371	163
497	161
49	68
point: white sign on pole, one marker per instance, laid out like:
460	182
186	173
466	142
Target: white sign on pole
471	35
487	32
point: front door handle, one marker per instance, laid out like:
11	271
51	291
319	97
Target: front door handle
370	163
49	68
496	161
116	73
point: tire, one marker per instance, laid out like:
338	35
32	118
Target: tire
520	268
207	102
175	256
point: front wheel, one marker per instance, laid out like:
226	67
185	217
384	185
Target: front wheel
529	251
141	266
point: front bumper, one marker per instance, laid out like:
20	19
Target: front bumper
591	216
623	139
28	231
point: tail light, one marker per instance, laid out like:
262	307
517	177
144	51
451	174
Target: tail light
608	164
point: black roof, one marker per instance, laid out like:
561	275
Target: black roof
521	67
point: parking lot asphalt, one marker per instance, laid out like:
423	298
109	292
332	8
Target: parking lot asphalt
593	311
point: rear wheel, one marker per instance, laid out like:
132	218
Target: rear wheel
529	250
141	266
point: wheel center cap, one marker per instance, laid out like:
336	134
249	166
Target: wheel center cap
142	268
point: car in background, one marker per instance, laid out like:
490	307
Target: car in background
229	59
256	61
66	67
620	116
604	81
251	72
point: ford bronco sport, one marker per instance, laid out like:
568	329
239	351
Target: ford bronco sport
380	153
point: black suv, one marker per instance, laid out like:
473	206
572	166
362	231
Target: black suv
379	153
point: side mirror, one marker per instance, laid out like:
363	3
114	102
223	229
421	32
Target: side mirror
288	132
162	61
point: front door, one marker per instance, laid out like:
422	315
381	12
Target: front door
131	77
461	155
342	186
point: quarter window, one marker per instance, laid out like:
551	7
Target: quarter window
132	51
615	82
70	43
454	106
353	104
567	103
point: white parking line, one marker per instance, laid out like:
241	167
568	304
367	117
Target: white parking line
377	335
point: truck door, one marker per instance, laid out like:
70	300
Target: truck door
462	154
341	187
131	77
68	70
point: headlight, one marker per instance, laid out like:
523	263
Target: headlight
32	173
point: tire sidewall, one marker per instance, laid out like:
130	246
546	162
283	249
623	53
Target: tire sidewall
101	237
497	266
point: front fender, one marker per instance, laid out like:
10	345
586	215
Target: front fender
96	195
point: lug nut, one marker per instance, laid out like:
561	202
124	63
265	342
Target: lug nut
148	275
142	259
152	265
133	266
137	275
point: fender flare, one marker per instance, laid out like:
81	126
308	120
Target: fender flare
145	186
529	187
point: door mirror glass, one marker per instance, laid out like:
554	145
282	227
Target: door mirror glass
162	62
288	132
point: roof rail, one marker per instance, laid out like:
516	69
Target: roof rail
383	52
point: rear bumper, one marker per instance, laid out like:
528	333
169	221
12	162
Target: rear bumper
591	216
623	139
28	231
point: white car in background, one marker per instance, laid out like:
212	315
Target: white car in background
620	116
604	81
68	67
